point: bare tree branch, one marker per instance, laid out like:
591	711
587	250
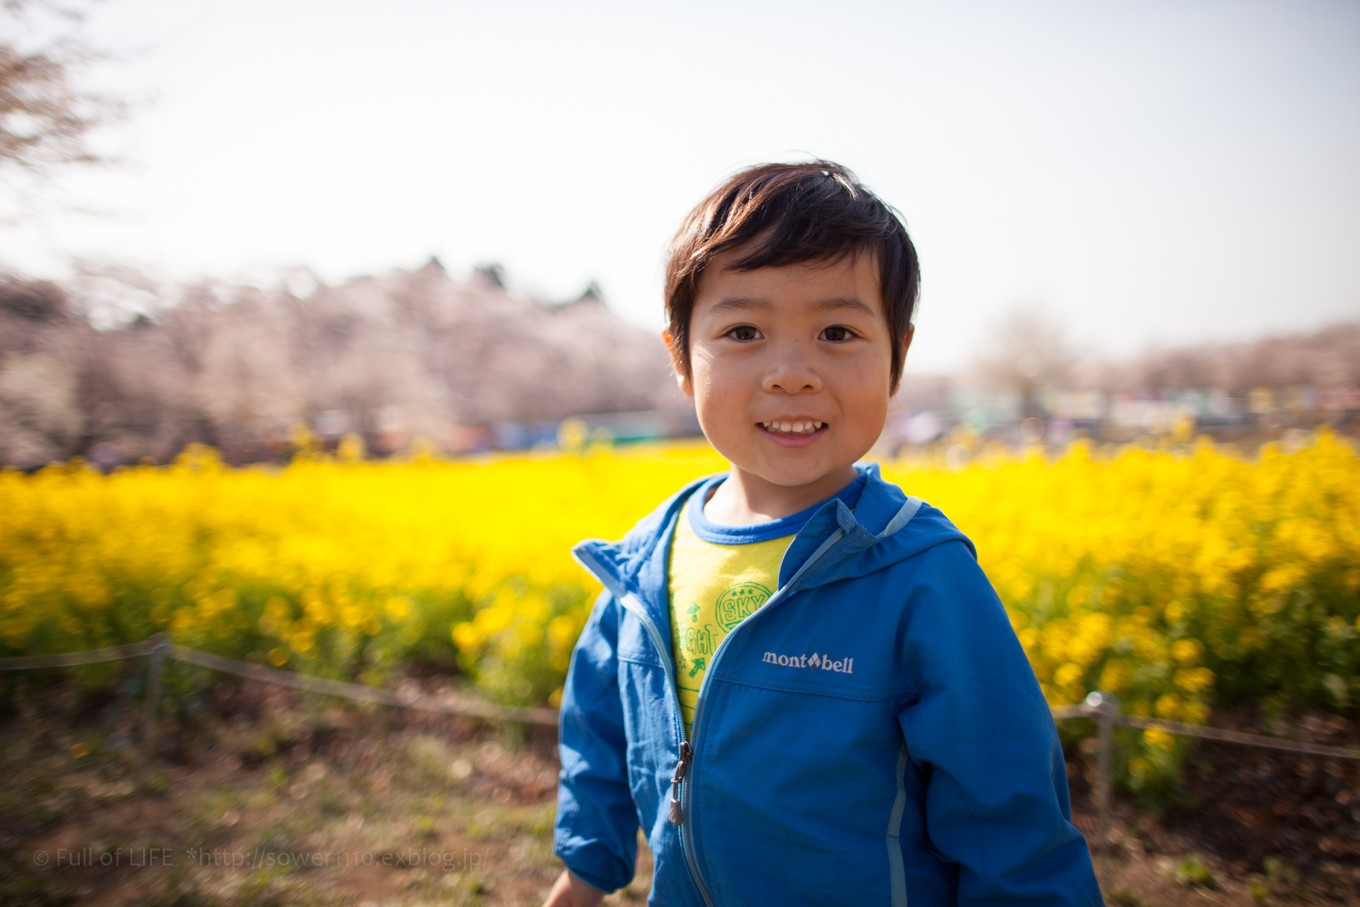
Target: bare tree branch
48	115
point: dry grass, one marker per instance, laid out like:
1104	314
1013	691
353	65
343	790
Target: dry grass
261	797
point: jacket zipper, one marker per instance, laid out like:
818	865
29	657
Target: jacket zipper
682	807
677	810
686	807
686	753
638	610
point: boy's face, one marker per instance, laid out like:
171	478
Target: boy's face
790	370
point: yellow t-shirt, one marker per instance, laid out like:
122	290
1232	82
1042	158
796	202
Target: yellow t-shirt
713	587
718	576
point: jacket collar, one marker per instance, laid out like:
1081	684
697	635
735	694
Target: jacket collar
886	526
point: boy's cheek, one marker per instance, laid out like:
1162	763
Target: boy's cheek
712	387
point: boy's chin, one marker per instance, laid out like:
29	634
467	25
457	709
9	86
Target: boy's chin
794	480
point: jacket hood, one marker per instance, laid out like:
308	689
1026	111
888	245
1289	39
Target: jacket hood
886	526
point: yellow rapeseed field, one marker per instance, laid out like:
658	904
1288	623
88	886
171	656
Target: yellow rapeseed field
1174	579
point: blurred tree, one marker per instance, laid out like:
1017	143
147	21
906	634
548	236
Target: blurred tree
41	345
47	115
492	271
1025	351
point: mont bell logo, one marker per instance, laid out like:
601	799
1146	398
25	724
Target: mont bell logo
815	661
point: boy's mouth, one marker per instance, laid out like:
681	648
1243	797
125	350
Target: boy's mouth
800	427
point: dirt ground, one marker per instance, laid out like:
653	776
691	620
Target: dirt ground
264	797
1265	826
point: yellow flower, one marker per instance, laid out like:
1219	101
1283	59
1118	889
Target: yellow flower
1114	677
562	631
1194	680
1068	674
1158	739
1194	713
529	634
398	608
467	637
1104	558
1187	651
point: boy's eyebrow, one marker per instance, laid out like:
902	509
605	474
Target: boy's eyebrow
845	302
742	303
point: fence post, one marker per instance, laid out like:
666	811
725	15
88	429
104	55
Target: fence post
1106	707
155	662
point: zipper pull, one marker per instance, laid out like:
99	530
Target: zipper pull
686	754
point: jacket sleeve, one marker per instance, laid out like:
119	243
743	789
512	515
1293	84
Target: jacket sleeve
983	738
597	825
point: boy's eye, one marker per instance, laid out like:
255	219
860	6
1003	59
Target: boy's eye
836	333
744	332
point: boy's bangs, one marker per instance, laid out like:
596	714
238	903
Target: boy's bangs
794	216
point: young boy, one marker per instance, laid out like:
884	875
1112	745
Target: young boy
798	681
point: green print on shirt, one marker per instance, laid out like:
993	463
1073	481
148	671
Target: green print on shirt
698	641
738	601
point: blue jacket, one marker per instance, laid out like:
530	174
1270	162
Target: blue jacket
872	735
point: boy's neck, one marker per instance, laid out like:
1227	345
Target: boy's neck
744	499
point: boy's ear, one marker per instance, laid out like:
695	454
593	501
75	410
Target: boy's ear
677	366
906	346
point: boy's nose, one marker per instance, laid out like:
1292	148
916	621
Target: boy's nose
791	372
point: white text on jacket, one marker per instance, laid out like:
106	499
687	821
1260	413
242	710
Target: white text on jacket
815	661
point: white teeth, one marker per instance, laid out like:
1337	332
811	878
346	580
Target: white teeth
793	428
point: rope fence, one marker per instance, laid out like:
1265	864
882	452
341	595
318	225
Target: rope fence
159	648
93	656
1102	707
359	692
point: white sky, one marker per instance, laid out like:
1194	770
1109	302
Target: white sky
1154	171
